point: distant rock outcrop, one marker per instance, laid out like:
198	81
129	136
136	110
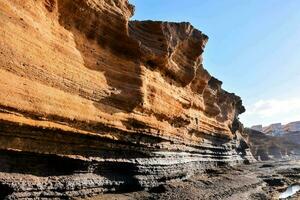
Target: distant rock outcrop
92	102
293	136
278	129
266	147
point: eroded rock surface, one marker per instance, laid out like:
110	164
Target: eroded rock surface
266	147
92	102
257	181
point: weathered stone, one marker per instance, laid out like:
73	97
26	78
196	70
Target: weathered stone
266	147
92	102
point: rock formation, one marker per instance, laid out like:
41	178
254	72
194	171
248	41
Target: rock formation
278	129
293	137
257	181
266	147
92	102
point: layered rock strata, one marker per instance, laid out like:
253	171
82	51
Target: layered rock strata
258	181
265	147
91	102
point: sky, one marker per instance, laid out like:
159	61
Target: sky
253	48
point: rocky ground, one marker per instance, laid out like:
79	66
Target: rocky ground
258	181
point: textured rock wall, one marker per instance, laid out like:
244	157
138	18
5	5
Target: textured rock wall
92	102
266	147
293	136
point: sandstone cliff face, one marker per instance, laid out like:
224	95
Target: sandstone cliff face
95	102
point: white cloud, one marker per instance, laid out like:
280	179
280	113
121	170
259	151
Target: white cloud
267	108
271	111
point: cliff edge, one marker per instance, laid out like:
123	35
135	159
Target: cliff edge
91	102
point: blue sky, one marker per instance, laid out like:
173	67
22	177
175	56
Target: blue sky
253	47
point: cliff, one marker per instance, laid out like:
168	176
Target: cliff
92	102
293	136
267	147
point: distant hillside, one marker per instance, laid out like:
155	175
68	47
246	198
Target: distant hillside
265	147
